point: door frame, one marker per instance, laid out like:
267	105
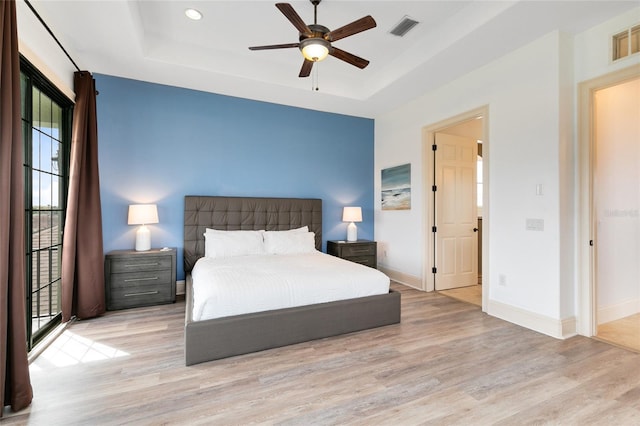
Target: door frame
428	135
587	302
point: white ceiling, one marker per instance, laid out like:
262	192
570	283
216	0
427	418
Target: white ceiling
152	40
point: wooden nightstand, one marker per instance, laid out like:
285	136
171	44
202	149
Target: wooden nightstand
361	251
140	278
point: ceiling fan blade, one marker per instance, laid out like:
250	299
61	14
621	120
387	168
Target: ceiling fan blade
355	27
348	57
275	46
306	68
293	17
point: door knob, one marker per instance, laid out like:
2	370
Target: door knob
475	229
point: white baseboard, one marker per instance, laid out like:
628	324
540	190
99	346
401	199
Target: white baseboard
617	311
560	329
402	278
180	287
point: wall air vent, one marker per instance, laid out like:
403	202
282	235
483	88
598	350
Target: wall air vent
404	26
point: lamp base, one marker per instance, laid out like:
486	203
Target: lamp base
352	232
143	239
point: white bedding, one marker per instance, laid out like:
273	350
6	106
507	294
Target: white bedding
254	283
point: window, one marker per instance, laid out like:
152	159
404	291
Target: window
46	133
626	43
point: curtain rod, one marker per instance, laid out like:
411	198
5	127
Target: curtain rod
51	33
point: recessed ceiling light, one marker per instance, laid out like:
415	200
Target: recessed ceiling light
193	14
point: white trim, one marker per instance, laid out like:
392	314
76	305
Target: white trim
402	278
560	329
586	294
428	133
180	287
46	70
617	311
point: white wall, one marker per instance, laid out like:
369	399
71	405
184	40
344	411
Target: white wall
522	91
35	44
592	53
531	95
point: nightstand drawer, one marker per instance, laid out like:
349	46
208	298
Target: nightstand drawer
363	260
143	263
358	250
134	279
139	295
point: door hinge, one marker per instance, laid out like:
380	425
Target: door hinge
434	270
434	188
434	147
434	229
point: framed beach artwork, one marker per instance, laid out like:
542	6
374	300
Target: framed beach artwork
396	188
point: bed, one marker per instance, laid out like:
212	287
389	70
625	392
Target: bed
216	338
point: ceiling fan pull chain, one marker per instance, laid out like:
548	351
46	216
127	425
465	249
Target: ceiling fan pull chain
314	78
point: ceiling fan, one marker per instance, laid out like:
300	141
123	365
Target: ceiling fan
315	40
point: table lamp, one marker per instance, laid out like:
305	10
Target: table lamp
143	214
352	214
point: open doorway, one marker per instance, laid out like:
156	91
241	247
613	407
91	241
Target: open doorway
610	219
616	192
455	204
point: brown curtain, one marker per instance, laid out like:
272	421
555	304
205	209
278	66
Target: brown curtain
82	255
15	385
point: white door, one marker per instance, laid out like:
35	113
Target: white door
456	250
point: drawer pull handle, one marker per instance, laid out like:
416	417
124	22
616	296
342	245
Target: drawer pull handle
144	293
133	265
141	279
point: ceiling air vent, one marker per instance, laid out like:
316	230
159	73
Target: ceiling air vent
404	26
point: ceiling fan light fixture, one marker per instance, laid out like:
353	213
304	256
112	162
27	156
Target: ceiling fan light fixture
314	49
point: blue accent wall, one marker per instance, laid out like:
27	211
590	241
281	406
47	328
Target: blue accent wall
159	143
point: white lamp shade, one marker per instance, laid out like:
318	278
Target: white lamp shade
352	214
142	214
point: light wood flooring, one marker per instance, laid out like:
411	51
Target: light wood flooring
624	332
471	294
447	363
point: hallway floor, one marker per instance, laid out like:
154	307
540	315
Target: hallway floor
624	332
471	294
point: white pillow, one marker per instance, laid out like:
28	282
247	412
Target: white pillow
278	242
232	243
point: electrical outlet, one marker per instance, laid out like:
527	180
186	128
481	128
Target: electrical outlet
384	253
502	280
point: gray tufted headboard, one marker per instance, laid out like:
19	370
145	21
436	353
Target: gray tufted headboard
245	213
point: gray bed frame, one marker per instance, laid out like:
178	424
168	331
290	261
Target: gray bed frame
240	334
